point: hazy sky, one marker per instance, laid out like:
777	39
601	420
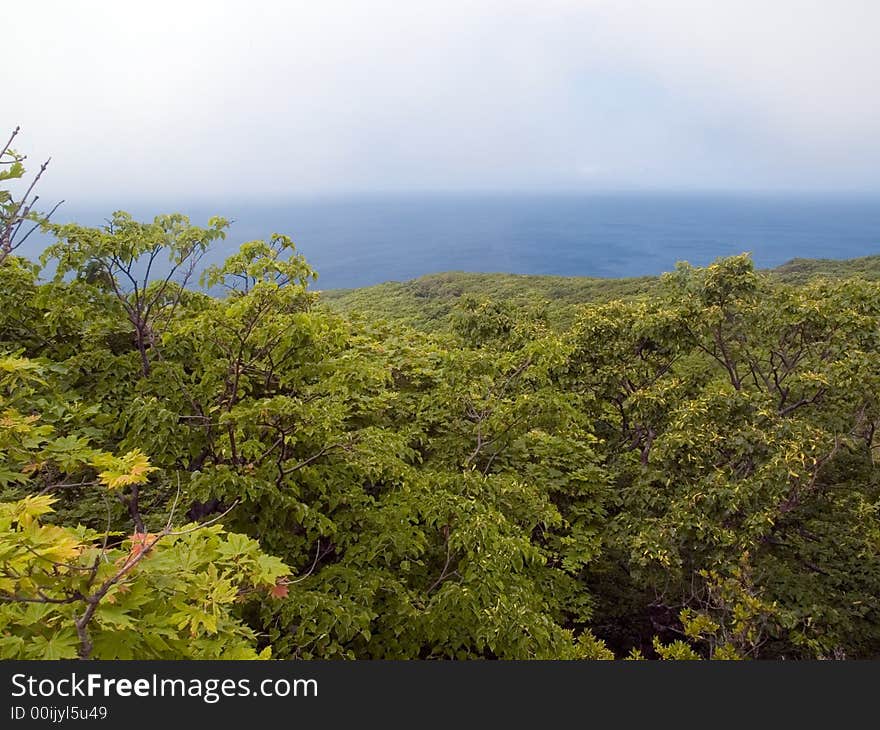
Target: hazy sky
183	99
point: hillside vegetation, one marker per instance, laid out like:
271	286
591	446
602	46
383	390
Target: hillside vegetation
679	468
798	271
427	302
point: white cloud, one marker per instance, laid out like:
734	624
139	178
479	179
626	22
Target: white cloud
195	99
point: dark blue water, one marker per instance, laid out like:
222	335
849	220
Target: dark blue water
365	240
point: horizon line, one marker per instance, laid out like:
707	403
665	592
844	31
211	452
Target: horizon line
317	195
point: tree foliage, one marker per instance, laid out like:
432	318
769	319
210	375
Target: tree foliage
688	473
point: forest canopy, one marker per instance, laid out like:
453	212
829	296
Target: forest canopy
678	468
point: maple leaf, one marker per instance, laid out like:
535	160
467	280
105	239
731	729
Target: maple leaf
32	468
141	544
279	590
120	589
133	468
13	420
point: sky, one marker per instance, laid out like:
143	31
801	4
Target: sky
266	100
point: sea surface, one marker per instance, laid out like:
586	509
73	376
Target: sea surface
361	240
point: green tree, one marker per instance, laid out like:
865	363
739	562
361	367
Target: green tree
123	256
18	218
80	592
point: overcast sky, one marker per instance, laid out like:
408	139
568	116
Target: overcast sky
189	100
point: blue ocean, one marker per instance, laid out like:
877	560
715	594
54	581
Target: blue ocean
361	240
